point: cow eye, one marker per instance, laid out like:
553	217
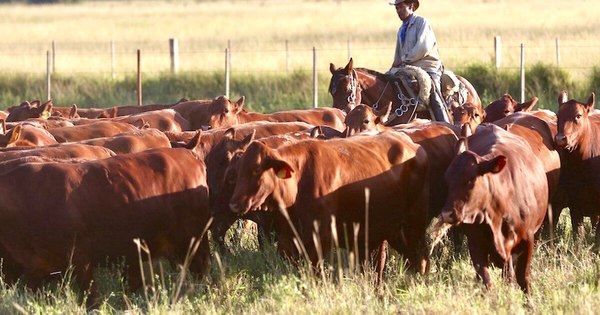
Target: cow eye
366	121
255	171
578	117
506	111
476	115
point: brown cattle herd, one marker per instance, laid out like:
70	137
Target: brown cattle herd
172	176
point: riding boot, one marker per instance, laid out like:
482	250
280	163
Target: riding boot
438	108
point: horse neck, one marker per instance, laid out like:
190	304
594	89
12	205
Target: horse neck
372	88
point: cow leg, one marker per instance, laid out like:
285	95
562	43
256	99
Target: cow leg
577	223
479	256
508	271
201	261
380	258
524	264
85	274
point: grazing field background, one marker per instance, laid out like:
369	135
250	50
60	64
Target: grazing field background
270	41
249	280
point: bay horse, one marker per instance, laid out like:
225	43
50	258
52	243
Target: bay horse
351	86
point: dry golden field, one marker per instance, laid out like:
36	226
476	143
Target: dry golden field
257	32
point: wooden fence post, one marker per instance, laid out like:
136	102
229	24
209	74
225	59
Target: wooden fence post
522	73
315	86
139	77
498	51
174	53
48	75
557	52
53	56
227	65
112	59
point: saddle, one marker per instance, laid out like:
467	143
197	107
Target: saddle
413	83
452	89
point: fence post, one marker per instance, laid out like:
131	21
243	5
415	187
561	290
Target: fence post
139	77
522	73
557	52
227	72
287	56
498	51
315	91
174	53
53	56
48	75
112	59
349	52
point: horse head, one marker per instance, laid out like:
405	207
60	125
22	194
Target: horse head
344	87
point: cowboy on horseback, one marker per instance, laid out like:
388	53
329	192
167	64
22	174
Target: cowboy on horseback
417	46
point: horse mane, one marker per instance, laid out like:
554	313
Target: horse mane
377	74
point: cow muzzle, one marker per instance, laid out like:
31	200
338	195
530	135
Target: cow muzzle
450	216
560	140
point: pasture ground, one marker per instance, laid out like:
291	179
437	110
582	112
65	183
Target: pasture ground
565	280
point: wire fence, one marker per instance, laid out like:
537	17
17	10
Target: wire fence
113	58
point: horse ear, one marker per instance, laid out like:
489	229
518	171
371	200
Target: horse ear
349	67
562	98
332	68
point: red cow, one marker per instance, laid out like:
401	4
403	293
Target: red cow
227	114
498	193
132	141
163	120
29	110
313	181
94	130
469	114
540	136
505	106
85	213
578	129
58	151
26	135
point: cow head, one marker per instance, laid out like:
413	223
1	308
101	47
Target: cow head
225	113
468	114
573	122
344	87
28	110
259	172
363	118
505	106
467	190
220	155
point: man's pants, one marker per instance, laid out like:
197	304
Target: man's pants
436	104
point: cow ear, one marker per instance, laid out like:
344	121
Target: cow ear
562	98
229	134
384	114
281	168
2	127
332	68
461	146
16	134
493	166
317	132
45	111
466	131
73	112
239	105
591	102
195	141
527	106
248	139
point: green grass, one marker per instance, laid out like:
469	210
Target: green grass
565	280
273	92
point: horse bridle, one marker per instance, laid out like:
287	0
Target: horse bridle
355	88
405	103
